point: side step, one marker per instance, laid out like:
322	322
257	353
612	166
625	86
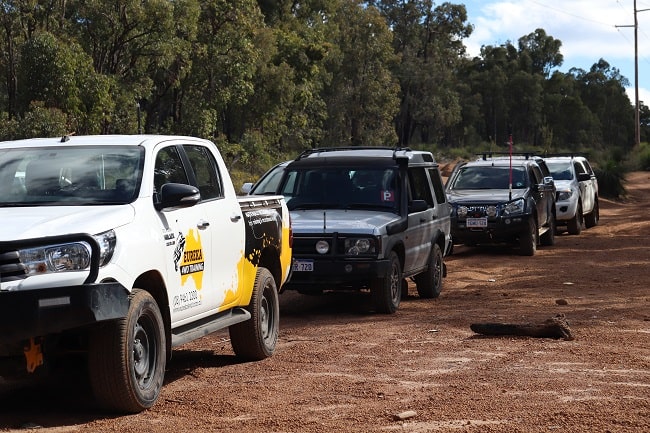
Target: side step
192	331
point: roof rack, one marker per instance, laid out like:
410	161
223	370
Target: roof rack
334	149
486	155
569	154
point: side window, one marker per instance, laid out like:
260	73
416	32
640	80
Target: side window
205	170
588	167
438	188
537	176
579	168
419	184
169	168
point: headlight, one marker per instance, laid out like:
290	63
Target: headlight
564	195
73	256
106	243
515	207
354	247
462	211
491	211
322	247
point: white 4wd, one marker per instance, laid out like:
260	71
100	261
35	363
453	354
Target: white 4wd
122	247
577	192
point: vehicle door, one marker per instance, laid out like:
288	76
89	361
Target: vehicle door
417	240
586	186
186	239
223	228
541	193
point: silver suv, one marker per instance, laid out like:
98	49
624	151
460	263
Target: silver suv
364	219
577	192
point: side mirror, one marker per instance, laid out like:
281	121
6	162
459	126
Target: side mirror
176	196
583	177
548	180
246	188
418	206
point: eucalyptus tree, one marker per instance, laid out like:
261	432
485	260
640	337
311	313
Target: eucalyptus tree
141	45
21	20
362	97
222	75
429	42
285	113
58	74
602	90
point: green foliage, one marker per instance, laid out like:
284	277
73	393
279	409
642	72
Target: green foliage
643	157
267	78
41	121
611	179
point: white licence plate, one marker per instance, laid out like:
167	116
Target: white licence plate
303	265
476	222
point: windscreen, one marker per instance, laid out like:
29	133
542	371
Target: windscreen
342	188
488	177
70	175
560	170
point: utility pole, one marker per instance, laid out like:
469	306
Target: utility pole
637	119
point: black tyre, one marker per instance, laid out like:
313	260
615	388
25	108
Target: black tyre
528	239
429	283
591	219
127	357
386	292
256	338
574	225
548	238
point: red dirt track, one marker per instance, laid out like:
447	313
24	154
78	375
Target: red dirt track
339	368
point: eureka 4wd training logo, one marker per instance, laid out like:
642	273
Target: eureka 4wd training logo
188	258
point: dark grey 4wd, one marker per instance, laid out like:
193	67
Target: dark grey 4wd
365	218
502	200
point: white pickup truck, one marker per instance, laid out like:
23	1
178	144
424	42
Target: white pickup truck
123	247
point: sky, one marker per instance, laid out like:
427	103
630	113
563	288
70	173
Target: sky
590	30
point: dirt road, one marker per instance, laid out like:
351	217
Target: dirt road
340	369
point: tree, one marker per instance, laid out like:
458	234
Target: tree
428	41
362	98
540	53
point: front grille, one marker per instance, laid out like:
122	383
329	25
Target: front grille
306	245
11	269
476	211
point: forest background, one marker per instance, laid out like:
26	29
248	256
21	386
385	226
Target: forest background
267	79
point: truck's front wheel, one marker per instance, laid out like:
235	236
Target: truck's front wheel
429	283
127	357
386	292
256	338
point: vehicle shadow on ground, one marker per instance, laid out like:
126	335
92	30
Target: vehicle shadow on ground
62	399
65	398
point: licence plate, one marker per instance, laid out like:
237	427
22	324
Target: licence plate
476	222
303	265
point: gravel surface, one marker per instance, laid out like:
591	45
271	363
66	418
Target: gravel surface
339	368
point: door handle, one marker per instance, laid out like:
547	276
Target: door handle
203	224
235	218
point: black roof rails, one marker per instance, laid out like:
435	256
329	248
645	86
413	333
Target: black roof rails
570	154
308	152
486	155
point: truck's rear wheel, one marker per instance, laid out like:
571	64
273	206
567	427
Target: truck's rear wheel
429	283
256	338
127	357
386	292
